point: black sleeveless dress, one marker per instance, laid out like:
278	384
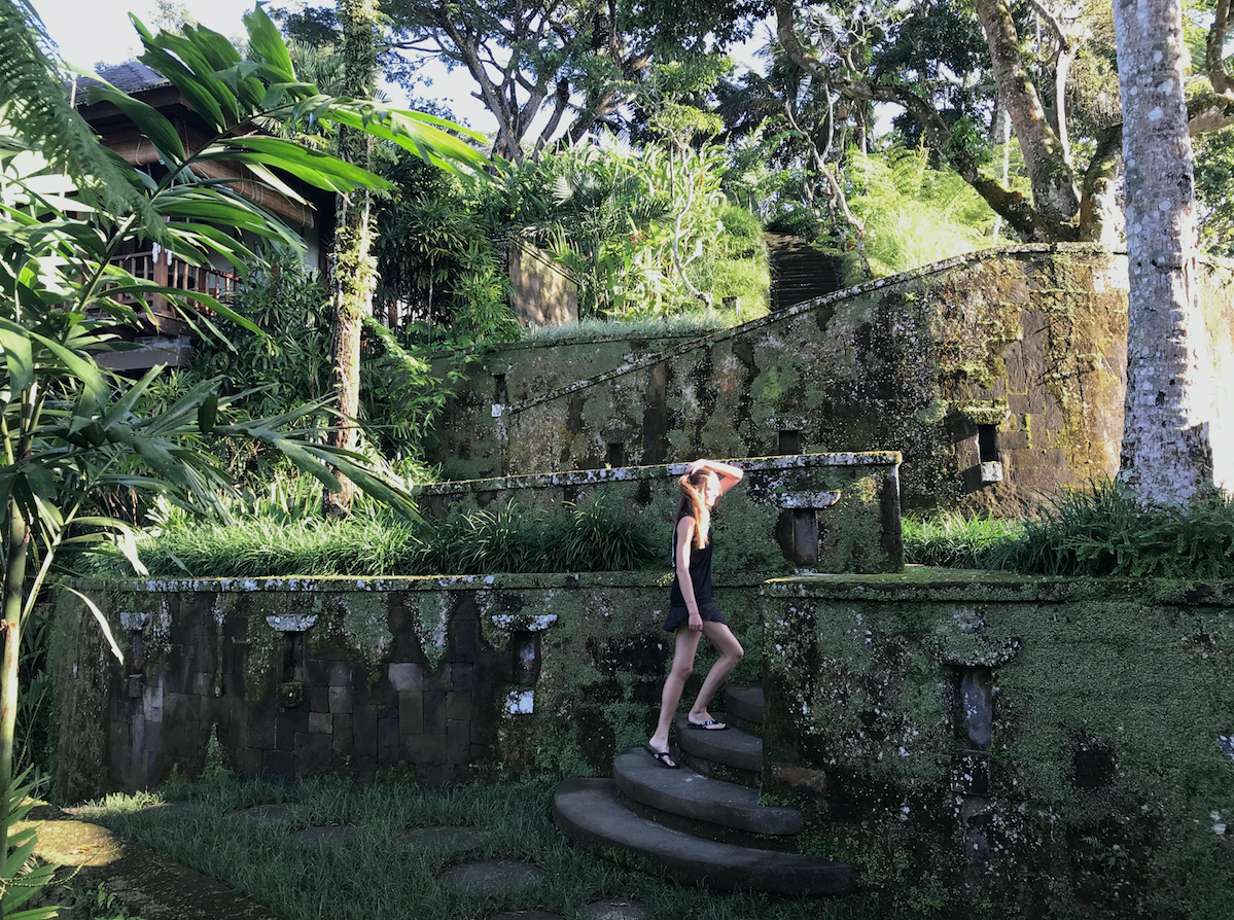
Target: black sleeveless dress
700	578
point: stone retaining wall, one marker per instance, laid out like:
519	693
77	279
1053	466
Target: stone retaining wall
999	376
446	679
821	512
1039	747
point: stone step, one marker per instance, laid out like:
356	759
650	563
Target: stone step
744	705
588	811
699	798
733	748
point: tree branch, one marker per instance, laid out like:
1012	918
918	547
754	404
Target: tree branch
1214	48
1100	221
1209	112
562	101
1063	58
1020	215
1053	181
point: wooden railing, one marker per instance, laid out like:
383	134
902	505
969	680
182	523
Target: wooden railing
166	270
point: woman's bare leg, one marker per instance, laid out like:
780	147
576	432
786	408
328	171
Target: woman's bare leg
731	653
683	666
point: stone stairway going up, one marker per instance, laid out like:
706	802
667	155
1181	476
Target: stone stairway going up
799	272
703	822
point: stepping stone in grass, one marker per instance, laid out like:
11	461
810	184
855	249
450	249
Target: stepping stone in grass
616	909
168	809
525	915
492	876
268	813
317	836
457	839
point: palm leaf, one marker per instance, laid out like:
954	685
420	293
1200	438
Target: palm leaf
39	113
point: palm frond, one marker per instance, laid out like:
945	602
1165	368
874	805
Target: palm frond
39	113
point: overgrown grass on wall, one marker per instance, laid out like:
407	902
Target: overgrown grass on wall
700	323
579	538
954	541
1095	531
1100	531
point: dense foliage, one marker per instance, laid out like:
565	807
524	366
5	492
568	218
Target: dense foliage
284	537
1095	531
1101	530
953	541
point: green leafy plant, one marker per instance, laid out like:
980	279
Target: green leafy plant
293	540
913	214
953	540
1100	530
24	877
71	431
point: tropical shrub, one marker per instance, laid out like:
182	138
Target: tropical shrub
294	540
1100	530
71	430
952	540
644	229
913	214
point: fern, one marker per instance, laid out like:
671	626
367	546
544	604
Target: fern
40	115
914	214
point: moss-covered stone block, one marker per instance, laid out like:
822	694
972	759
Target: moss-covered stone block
1019	746
454	677
822	512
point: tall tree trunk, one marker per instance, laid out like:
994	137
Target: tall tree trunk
1054	183
17	543
1167	454
355	268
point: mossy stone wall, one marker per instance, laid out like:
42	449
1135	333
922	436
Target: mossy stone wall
1029	341
542	291
822	512
447	679
1010	746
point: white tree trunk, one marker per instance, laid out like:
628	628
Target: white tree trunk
1167	454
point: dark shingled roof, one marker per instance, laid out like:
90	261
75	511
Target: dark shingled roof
130	77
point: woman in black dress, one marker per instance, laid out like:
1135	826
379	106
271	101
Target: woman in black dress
692	612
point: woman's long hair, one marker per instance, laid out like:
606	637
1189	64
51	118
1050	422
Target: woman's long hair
692	504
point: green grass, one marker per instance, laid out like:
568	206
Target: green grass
374	877
578	538
1100	531
699	323
951	540
1094	531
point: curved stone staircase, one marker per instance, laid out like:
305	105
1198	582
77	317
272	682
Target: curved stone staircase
704	822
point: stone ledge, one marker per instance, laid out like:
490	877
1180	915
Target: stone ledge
339	584
660	471
932	584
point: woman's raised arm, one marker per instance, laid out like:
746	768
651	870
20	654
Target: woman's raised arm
729	475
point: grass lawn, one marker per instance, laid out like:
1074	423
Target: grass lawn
376	876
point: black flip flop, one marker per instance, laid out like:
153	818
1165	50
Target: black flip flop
711	725
663	758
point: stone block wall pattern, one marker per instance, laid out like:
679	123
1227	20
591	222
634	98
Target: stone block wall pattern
1051	747
448	679
999	376
542	291
821	512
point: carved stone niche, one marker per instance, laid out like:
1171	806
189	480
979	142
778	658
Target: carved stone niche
797	530
524	629
134	623
984	418
790	434
294	627
972	653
